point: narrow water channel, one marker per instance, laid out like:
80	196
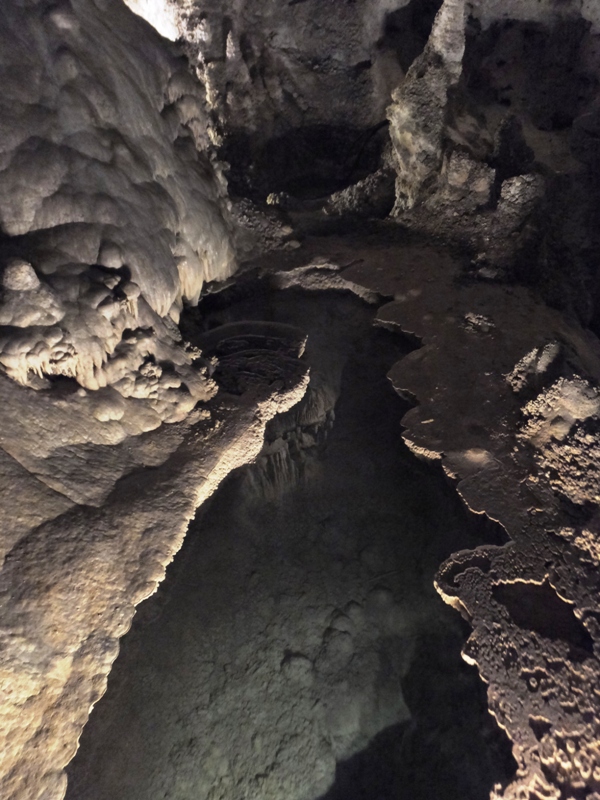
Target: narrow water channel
297	649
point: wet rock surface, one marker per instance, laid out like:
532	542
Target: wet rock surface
530	602
297	646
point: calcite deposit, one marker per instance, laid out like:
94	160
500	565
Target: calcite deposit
532	603
439	161
111	209
113	214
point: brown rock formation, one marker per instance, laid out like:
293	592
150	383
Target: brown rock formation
529	464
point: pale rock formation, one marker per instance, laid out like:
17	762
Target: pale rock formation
320	276
267	67
163	15
113	213
115	210
489	130
441	153
283	648
562	425
73	574
418	113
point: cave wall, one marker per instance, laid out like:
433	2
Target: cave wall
493	145
108	190
112	212
297	647
497	153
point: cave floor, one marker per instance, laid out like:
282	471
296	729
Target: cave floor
297	648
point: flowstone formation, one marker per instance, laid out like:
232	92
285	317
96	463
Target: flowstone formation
478	125
438	159
112	213
522	450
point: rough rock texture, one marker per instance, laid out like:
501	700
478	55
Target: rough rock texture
269	67
302	607
493	146
492	116
107	192
519	454
114	213
443	153
507	406
419	110
72	578
296	91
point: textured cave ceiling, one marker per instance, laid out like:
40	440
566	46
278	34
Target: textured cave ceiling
433	163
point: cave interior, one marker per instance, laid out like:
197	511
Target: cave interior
300	400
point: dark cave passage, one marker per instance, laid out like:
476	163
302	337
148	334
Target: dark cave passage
297	648
308	162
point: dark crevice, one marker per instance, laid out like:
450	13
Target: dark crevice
540	727
408	762
407	30
306	162
537	607
537	68
338	523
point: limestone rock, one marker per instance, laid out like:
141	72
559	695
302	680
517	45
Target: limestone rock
419	108
113	220
532	602
73	574
115	213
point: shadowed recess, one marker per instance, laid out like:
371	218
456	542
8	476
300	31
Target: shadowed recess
537	607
